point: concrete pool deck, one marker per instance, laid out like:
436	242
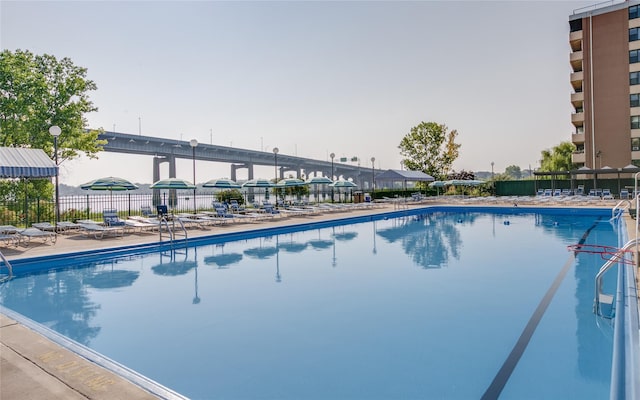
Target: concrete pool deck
34	367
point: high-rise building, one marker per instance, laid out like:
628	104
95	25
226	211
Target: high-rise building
605	62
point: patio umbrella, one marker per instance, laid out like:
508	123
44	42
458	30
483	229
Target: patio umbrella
319	180
291	182
437	185
222	184
172	183
258	183
109	183
343	184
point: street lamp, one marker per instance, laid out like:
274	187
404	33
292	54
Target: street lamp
373	176
194	144
275	156
492	170
332	155
55	131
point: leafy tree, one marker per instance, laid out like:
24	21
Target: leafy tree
513	171
430	148
558	158
41	91
37	92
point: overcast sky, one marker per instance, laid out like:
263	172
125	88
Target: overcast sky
312	78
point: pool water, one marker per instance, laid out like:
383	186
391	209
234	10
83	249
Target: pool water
421	306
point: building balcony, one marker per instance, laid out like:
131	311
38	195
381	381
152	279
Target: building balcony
578	157
577	77
576	56
577	99
577	118
575	36
577	138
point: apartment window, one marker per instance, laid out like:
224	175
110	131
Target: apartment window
633	12
579	149
633	34
635	122
636	163
634	100
634	56
634	78
635	144
579	129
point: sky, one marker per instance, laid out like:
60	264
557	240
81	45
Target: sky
311	78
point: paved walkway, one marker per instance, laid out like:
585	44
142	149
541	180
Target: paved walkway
33	367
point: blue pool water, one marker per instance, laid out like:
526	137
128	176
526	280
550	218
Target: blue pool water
421	306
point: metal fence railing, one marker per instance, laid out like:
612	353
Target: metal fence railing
90	206
23	212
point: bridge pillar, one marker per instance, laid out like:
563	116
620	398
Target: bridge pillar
171	159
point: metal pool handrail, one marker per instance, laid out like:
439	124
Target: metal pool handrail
617	257
619	208
9	267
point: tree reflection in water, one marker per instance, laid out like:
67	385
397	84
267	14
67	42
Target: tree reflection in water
429	239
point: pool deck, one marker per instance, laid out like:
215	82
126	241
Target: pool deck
34	367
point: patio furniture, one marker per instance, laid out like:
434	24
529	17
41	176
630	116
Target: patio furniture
98	231
35	233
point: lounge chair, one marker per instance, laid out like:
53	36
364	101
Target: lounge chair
557	192
548	192
141	226
35	233
606	194
580	190
111	218
624	194
146	212
98	231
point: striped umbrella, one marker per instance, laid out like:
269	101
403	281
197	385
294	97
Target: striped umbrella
109	183
173	183
319	180
222	184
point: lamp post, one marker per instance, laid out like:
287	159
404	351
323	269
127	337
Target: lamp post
55	131
332	155
194	144
275	163
492	170
373	174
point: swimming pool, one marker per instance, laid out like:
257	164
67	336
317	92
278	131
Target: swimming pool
431	304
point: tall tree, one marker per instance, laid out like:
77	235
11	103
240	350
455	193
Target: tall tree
38	91
513	171
431	148
558	158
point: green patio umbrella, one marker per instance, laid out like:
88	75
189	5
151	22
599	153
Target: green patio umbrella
173	183
110	183
222	184
258	183
317	181
343	184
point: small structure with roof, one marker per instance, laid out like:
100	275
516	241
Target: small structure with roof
403	176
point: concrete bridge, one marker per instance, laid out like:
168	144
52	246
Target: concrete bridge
168	150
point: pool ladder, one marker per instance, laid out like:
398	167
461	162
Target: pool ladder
602	300
7	264
171	229
620	208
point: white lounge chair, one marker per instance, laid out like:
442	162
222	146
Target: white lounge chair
98	231
35	233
